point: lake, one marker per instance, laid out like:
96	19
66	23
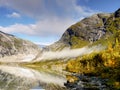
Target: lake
14	77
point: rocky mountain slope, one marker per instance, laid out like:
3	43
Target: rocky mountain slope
98	27
11	45
106	63
103	66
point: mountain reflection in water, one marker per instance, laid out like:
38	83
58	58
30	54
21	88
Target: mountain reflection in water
18	78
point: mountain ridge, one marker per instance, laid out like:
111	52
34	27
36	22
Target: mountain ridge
89	30
11	45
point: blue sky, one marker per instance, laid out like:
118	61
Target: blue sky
44	21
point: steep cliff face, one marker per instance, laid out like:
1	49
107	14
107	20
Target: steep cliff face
11	45
89	30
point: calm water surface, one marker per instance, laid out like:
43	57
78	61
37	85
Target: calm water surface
19	78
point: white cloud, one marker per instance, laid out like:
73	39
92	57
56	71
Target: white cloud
44	28
14	15
47	8
68	53
53	16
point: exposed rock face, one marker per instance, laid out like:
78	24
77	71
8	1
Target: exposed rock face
11	45
85	82
117	13
88	30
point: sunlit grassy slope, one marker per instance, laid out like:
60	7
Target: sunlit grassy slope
105	64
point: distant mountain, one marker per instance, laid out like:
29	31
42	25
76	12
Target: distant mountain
96	29
11	45
41	46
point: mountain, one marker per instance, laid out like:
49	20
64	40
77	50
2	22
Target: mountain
11	45
95	29
101	29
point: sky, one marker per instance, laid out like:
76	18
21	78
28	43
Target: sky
44	21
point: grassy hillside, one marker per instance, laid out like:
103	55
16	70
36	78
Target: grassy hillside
105	64
103	29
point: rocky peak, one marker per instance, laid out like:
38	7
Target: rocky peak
97	27
117	13
89	29
11	45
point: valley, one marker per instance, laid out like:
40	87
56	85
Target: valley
87	56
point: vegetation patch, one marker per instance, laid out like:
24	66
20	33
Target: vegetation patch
105	64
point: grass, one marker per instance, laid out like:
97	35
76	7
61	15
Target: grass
50	66
77	43
105	64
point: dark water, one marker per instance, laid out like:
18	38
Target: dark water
19	78
86	82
